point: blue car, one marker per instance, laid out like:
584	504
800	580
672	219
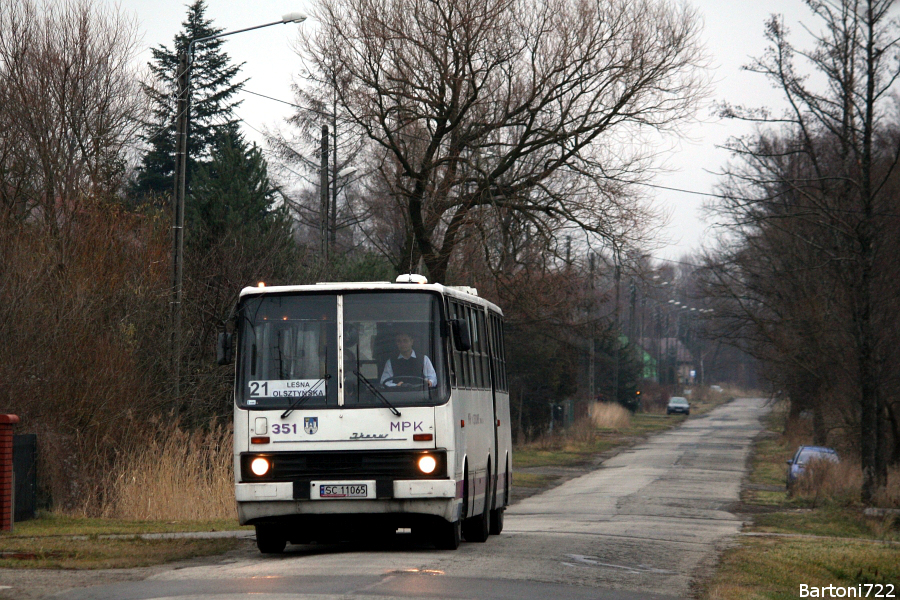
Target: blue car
803	456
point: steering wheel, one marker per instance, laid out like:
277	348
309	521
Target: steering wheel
413	380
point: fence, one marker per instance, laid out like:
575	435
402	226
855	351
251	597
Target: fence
25	468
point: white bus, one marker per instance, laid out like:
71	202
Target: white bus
361	408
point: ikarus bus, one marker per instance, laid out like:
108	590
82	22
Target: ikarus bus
361	408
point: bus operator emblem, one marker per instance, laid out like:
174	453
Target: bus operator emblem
310	424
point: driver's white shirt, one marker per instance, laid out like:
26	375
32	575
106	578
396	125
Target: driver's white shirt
427	370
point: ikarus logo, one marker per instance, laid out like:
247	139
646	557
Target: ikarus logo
310	424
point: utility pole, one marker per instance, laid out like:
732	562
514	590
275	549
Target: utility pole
616	340
592	386
632	325
332	235
323	191
181	137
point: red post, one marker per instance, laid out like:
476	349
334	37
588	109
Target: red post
7	510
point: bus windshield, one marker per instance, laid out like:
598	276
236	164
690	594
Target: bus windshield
392	352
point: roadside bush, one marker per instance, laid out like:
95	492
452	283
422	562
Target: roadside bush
83	319
607	415
654	398
178	475
889	497
824	481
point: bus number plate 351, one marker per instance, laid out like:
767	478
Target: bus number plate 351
359	490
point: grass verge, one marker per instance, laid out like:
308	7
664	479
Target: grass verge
97	552
818	537
52	524
64	542
774	568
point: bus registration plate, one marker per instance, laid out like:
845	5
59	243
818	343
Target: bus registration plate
349	489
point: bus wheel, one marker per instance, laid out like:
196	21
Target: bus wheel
269	539
477	528
446	535
497	521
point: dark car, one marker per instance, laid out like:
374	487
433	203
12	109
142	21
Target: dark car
678	405
803	456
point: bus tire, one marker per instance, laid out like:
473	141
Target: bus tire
497	521
497	514
269	539
447	535
478	528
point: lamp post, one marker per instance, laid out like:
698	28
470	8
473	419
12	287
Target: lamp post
182	125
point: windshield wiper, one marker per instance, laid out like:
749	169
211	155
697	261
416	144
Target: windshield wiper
305	396
375	392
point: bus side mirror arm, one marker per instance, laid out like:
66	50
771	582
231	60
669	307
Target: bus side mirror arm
224	349
461	338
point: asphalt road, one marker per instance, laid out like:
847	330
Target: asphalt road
643	525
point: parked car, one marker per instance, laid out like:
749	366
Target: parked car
803	456
677	404
716	388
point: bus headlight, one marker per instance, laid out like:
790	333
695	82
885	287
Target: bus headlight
427	464
260	466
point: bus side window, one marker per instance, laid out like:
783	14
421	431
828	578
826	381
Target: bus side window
502	350
476	349
451	351
495	362
485	352
470	364
459	358
474	366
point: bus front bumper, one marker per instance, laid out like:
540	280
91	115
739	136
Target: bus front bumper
264	500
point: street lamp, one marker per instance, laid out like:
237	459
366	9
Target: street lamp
181	144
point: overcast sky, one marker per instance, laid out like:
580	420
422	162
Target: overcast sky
733	32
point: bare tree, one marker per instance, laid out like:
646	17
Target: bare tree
812	192
484	112
68	105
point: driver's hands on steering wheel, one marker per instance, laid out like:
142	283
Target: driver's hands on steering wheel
398	381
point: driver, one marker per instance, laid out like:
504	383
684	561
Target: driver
407	364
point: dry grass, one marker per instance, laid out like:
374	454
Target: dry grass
889	496
606	415
775	568
183	476
826	481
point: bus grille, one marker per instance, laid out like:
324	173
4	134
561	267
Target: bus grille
351	464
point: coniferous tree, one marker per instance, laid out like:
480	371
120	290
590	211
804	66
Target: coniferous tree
212	104
232	195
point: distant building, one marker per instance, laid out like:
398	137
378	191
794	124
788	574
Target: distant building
673	361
